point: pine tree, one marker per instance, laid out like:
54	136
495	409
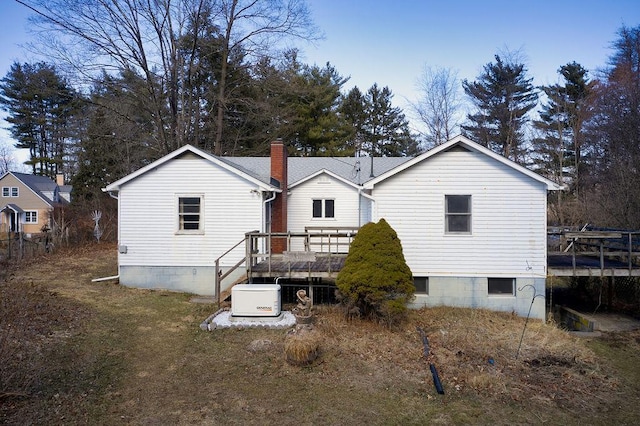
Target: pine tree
558	150
503	95
41	106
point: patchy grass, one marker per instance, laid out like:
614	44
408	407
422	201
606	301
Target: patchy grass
100	353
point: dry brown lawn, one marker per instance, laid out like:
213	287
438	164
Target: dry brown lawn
77	352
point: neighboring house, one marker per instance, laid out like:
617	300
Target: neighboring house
26	201
472	223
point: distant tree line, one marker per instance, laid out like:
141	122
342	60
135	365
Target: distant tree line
128	81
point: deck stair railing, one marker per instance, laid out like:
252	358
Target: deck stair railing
219	275
306	246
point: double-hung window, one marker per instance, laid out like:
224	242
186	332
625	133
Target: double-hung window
457	214
324	208
190	214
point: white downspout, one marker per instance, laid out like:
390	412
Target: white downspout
373	202
264	209
264	214
115	197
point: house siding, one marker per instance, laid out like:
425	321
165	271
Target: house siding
153	254
508	229
322	186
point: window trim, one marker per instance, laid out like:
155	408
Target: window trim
179	222
468	215
502	279
29	213
324	202
10	192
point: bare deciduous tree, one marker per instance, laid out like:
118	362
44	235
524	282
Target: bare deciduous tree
7	159
439	104
255	27
159	41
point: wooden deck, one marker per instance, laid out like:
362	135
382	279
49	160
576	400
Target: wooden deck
566	265
558	265
321	267
594	252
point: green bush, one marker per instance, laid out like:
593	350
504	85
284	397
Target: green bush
376	282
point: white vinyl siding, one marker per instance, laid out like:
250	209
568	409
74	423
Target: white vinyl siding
301	201
148	211
508	221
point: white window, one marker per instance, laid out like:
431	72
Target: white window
9	191
421	284
457	214
189	213
501	286
31	217
324	208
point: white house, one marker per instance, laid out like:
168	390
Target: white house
472	223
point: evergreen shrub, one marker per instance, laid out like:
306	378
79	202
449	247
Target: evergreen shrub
376	282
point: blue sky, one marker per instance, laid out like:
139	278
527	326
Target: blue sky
390	42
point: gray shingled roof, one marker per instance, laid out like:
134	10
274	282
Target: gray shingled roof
356	170
38	184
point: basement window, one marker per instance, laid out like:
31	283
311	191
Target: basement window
421	284
324	208
189	214
501	286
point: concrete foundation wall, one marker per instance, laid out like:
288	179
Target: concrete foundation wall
472	292
190	279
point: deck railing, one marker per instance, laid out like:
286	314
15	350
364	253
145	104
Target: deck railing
302	246
621	246
298	246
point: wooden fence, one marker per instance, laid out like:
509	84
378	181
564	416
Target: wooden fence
17	246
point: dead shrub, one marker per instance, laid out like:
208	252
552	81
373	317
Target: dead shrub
301	346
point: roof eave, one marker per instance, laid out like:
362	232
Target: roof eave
116	186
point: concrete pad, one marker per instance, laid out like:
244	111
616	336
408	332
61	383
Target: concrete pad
223	319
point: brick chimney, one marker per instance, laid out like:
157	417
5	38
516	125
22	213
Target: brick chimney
279	207
60	179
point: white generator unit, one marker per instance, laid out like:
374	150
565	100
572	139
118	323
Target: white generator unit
255	300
